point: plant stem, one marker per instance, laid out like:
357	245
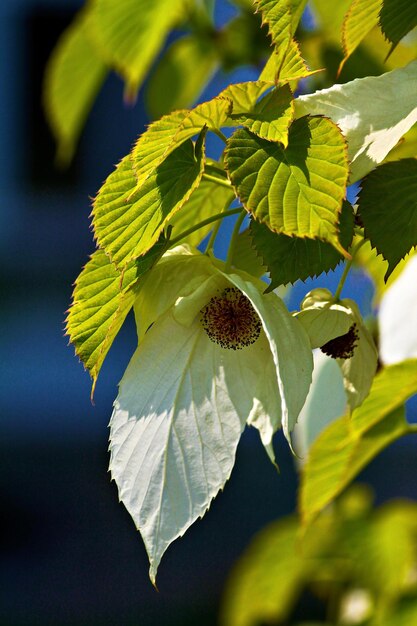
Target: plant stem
346	271
215	230
233	239
209	220
219	181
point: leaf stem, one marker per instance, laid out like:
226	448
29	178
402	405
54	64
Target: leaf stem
215	230
346	271
224	182
209	220
412	428
233	239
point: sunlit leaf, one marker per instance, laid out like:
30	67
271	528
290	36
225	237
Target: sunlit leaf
271	116
373	114
130	33
290	68
349	443
298	190
208	199
102	298
388	208
266	580
180	75
127	222
361	17
166	134
246	257
289	259
74	74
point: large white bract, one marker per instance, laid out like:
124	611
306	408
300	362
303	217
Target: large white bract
214	354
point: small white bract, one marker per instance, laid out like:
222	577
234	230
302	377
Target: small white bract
338	329
214	354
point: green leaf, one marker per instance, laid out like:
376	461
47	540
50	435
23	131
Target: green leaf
336	457
282	17
290	68
73	76
277	15
271	116
168	133
298	190
267	578
130	33
388	209
208	199
246	257
101	301
127	222
244	96
181	75
361	17
349	443
397	18
373	114
289	259
382	552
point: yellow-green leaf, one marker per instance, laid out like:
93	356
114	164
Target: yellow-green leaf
130	33
74	74
181	75
298	190
361	17
271	116
349	443
127	222
102	298
166	134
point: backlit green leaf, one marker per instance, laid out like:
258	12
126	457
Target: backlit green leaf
388	208
208	199
130	33
246	257
73	76
166	134
373	114
361	17
289	259
271	116
298	190
102	298
336	457
127	222
266	580
180	75
349	443
290	68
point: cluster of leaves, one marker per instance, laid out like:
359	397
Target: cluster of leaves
359	564
288	161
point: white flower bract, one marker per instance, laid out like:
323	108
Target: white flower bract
184	399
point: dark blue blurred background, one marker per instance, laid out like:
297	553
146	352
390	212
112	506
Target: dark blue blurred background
70	553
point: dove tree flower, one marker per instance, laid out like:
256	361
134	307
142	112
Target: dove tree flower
217	348
214	354
336	326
